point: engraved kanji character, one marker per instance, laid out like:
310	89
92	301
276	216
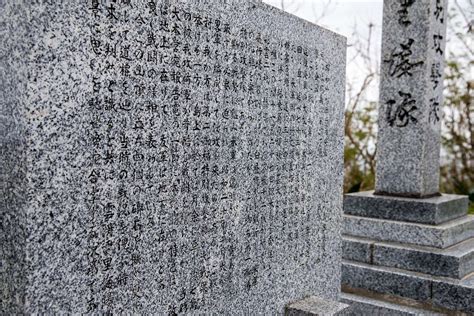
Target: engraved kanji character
96	45
399	61
435	74
438	13
175	14
111	12
402	113
434	110
403	12
437	41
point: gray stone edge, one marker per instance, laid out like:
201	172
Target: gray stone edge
314	305
367	305
433	211
440	236
449	262
440	292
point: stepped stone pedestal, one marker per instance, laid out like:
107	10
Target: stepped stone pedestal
408	267
407	249
315	306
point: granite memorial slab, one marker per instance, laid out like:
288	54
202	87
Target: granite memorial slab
168	157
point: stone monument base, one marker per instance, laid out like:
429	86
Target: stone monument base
405	255
314	306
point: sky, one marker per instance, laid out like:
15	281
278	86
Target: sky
339	15
351	19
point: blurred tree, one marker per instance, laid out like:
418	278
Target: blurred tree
457	166
361	115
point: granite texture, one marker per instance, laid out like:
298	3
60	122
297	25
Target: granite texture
455	296
315	306
357	249
168	157
364	306
384	280
410	102
432	211
440	236
456	261
436	292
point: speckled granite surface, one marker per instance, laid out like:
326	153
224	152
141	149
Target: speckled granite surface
363	306
437	292
439	236
406	240
456	261
162	159
357	249
314	306
385	280
411	97
432	211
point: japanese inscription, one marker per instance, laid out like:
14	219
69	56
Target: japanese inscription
403	13
209	132
436	70
411	97
402	113
399	61
401	109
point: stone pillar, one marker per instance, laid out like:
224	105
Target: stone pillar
406	247
414	36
